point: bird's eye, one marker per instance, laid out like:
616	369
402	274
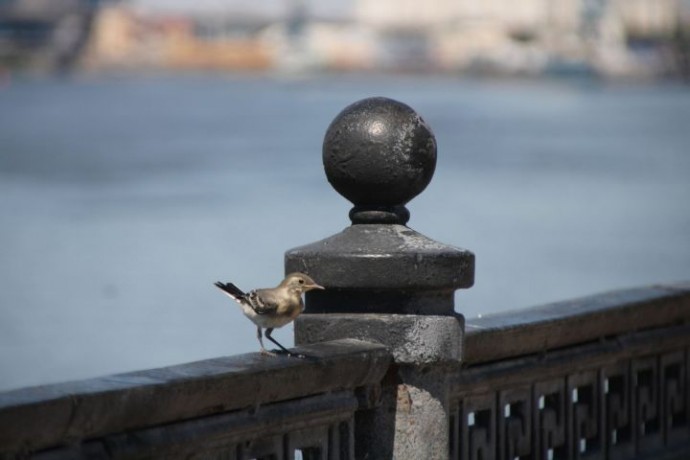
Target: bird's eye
301	281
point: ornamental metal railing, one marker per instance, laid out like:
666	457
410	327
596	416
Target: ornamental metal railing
600	377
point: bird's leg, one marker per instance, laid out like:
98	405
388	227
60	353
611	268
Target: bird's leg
261	342
285	350
268	336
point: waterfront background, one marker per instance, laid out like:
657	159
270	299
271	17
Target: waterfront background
124	199
149	148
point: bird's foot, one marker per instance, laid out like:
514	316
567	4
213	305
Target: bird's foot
289	354
297	355
268	353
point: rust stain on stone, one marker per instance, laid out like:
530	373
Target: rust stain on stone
404	399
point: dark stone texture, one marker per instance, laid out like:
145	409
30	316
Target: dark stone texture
539	329
222	435
384	281
379	154
412	339
382	269
47	416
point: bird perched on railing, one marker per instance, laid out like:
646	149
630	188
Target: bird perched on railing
274	307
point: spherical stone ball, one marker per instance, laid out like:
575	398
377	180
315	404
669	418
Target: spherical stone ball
379	152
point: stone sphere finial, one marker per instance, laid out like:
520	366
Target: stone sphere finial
379	154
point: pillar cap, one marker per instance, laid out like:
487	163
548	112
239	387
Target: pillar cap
379	154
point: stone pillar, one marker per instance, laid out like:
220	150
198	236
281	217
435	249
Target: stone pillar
386	282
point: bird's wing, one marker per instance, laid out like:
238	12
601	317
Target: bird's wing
262	301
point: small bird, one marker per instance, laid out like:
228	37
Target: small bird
274	307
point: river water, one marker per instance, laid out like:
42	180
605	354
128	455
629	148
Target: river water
124	199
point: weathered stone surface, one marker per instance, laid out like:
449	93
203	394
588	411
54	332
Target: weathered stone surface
39	417
382	269
412	421
548	327
384	281
421	427
363	250
379	153
412	339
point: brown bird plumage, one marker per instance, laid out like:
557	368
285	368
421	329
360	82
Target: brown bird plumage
274	307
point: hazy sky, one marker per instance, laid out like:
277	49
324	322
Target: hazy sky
327	7
316	7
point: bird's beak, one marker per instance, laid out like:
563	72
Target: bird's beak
315	286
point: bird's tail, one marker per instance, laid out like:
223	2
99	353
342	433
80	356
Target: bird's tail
231	290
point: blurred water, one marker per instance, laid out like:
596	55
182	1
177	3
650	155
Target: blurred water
123	199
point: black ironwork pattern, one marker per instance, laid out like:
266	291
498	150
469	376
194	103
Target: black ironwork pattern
550	423
618	425
478	437
646	399
584	415
675	397
334	441
582	404
515	422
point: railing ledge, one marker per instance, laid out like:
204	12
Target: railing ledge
536	330
51	415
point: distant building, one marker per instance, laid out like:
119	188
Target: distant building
125	39
528	36
43	34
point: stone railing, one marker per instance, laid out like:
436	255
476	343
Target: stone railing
240	407
392	371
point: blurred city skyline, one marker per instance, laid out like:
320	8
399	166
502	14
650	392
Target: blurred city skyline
343	7
613	39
